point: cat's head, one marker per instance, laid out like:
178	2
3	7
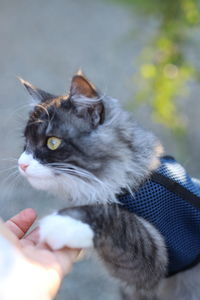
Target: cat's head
82	145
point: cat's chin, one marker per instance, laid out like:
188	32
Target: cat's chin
44	184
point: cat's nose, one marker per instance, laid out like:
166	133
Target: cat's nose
23	166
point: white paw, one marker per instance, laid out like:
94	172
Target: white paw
60	231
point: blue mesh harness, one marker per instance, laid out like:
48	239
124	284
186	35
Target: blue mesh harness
170	200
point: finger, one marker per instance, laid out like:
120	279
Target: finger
73	254
66	257
21	223
70	253
8	234
33	236
25	243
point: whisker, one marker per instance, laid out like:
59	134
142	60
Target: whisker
37	121
17	110
53	115
41	106
8	169
9	159
9	176
77	172
14	182
8	190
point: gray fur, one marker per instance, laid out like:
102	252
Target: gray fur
104	152
132	249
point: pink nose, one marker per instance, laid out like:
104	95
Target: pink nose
23	166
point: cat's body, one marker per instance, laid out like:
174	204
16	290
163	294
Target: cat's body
87	149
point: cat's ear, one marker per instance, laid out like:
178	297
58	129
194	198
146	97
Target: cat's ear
86	100
81	86
37	94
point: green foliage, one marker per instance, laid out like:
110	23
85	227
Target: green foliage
164	70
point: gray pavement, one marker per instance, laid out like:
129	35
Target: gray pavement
45	42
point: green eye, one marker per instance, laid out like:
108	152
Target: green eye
53	143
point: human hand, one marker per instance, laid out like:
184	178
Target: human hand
46	266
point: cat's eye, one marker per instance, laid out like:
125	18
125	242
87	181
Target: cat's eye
53	143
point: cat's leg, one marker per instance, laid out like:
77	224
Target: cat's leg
131	248
59	231
131	293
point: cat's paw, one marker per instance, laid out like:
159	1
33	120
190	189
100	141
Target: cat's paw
60	231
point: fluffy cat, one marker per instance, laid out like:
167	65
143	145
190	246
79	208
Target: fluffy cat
84	147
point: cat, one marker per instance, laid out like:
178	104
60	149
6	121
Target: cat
86	148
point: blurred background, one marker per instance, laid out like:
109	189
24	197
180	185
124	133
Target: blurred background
143	52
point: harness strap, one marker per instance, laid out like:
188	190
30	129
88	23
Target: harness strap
176	188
